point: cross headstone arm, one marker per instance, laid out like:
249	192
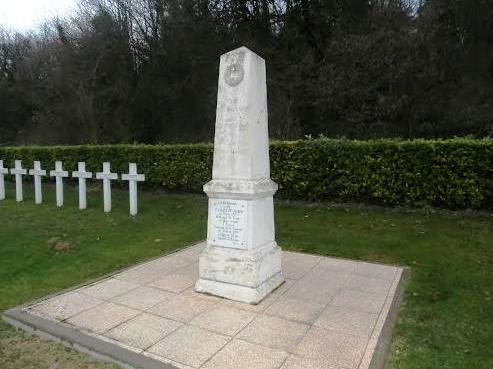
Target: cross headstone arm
18	171
81	171
37	171
102	175
106	173
133	175
59	173
2	169
79	174
18	168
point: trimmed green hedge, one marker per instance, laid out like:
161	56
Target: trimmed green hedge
456	173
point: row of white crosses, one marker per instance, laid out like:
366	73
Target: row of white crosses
106	176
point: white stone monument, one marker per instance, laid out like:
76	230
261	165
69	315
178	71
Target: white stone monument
133	177
106	176
18	171
59	175
241	260
82	175
3	172
37	173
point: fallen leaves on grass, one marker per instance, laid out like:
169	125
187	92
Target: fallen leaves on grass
60	245
53	240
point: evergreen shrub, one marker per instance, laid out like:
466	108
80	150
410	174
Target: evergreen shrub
454	173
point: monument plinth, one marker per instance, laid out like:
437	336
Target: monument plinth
241	260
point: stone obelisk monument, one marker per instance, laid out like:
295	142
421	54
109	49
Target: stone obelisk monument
241	260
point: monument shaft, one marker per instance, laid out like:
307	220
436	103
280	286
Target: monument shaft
241	260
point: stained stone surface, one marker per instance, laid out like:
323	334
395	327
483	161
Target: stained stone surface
329	314
242	260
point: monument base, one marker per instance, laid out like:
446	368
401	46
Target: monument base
249	295
241	275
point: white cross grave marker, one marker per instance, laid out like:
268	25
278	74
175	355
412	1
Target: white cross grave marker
82	175
132	177
18	172
107	177
59	174
3	171
37	172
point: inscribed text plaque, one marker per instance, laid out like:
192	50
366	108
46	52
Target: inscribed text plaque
228	223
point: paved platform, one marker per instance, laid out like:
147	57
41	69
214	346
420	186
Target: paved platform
329	314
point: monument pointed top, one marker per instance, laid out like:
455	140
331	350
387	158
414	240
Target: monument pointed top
241	48
241	143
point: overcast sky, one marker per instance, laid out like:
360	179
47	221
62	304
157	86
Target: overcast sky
22	15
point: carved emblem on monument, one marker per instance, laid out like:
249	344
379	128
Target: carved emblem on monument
234	71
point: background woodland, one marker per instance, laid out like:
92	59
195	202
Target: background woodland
145	71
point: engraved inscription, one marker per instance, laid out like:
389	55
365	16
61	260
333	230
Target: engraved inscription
231	121
229	223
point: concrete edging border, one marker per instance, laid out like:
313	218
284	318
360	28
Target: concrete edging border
381	348
82	342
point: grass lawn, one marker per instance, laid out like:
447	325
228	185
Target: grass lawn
445	322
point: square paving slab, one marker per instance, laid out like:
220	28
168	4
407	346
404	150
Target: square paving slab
329	314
